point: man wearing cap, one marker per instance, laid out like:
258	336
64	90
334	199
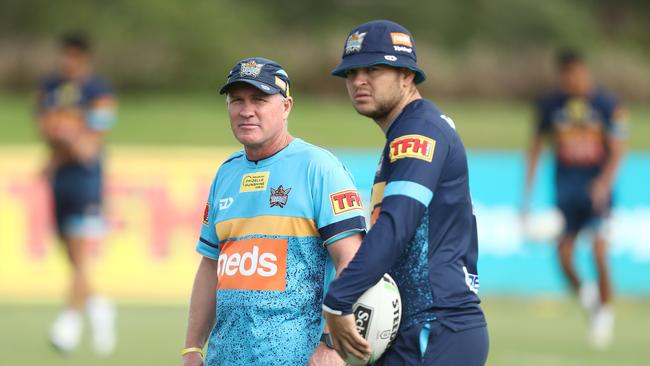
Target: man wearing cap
281	216
423	229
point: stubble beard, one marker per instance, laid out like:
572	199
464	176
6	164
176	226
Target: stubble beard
383	108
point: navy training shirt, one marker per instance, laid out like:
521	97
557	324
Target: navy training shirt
58	92
579	127
89	102
424	230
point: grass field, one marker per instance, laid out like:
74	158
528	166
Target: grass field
522	332
201	119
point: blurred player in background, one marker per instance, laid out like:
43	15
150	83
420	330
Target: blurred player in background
75	110
423	229
281	216
588	131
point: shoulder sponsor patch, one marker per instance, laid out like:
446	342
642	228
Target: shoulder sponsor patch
412	146
401	39
206	213
344	201
252	182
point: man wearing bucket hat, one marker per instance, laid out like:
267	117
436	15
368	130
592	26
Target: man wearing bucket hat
271	238
424	230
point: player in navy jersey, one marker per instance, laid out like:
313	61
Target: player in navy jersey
423	229
75	110
587	127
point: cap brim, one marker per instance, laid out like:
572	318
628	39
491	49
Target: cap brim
268	89
359	60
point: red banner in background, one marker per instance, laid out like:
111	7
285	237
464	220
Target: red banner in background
154	205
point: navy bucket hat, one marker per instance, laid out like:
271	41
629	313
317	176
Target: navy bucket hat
379	42
264	74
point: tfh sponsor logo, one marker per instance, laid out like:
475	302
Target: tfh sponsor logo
344	201
412	146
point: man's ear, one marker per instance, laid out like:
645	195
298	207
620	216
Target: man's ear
409	77
287	104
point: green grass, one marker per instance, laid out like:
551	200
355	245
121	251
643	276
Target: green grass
522	332
201	119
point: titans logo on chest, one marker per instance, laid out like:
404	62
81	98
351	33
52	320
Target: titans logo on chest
279	196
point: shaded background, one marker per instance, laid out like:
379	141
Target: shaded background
485	61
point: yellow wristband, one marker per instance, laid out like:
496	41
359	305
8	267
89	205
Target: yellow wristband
192	350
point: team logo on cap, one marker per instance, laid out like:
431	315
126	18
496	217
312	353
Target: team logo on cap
251	69
354	42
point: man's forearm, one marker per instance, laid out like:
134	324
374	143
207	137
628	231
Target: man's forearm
617	150
202	304
532	159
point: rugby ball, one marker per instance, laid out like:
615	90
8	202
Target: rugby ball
377	314
544	226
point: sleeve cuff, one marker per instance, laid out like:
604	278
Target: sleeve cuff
336	310
352	224
207	249
342	235
327	309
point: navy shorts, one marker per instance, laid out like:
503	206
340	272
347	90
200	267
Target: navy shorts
433	344
77	191
573	197
578	211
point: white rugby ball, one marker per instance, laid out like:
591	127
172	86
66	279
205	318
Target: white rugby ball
378	313
544	226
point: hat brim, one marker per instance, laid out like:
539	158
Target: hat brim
266	88
359	60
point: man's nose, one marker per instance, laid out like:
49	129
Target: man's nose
360	78
248	110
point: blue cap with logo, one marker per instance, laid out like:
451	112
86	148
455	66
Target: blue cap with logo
379	42
264	74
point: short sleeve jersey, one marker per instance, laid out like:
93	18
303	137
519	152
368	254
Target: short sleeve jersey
267	224
580	128
89	103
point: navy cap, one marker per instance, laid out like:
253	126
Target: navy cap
264	74
379	42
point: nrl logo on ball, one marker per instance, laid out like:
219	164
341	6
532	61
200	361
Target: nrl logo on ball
251	69
279	196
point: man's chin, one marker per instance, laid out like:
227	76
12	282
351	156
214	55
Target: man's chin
370	113
248	139
365	110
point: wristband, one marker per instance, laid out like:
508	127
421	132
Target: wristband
327	339
192	350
